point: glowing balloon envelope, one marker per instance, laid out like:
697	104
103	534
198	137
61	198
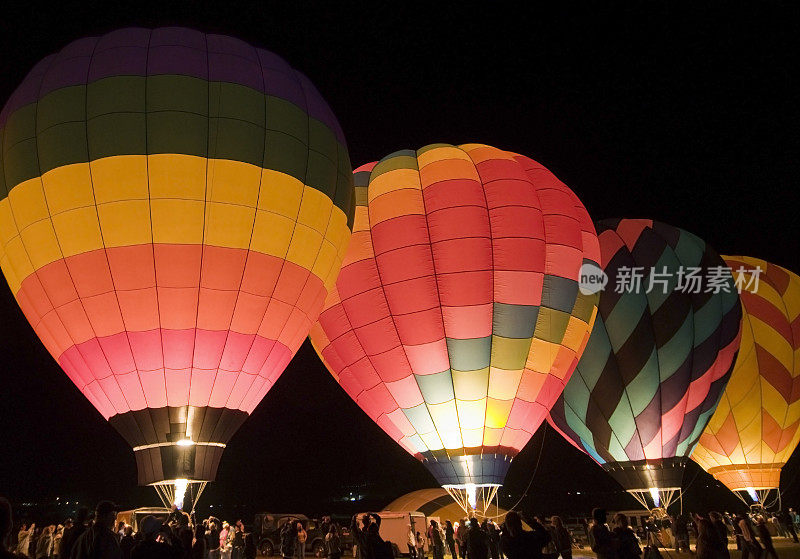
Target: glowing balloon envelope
457	318
173	210
757	424
658	358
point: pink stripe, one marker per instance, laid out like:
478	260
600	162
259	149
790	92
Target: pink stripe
127	371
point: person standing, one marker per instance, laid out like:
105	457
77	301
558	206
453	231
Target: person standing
289	539
126	543
199	543
420	545
766	538
461	538
786	520
450	538
74	532
562	537
750	546
680	529
435	539
708	545
603	544
45	543
99	541
518	543
550	551
718	523
24	539
224	551
333	543
412	542
238	541
627	544
493	534
302	536
212	539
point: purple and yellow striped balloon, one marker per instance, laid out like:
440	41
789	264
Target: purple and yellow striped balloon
174	209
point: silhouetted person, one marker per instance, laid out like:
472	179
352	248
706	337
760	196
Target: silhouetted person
157	542
518	543
74	532
766	538
750	546
289	539
126	542
450	538
249	546
238	541
626	542
435	537
708	539
199	542
99	541
493	535
721	528
603	545
477	541
787	522
333	543
375	547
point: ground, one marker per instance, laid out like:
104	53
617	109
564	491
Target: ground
784	546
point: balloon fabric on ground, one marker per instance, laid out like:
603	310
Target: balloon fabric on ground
174	207
757	424
457	318
657	360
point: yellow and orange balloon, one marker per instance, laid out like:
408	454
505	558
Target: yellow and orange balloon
756	426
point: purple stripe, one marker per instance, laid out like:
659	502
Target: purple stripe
171	50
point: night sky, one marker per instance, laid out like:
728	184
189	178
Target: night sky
684	114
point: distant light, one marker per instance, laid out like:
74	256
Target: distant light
577	492
352	498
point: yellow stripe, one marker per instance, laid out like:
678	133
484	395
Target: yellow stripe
112	202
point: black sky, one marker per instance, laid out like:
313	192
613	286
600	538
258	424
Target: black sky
682	113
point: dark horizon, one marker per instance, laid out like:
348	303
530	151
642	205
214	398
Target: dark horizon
686	115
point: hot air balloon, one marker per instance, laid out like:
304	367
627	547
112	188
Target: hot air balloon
173	211
658	358
457	318
757	424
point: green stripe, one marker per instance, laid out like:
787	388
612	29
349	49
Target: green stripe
675	351
510	353
514	321
131	115
436	388
551	325
405	159
470	354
